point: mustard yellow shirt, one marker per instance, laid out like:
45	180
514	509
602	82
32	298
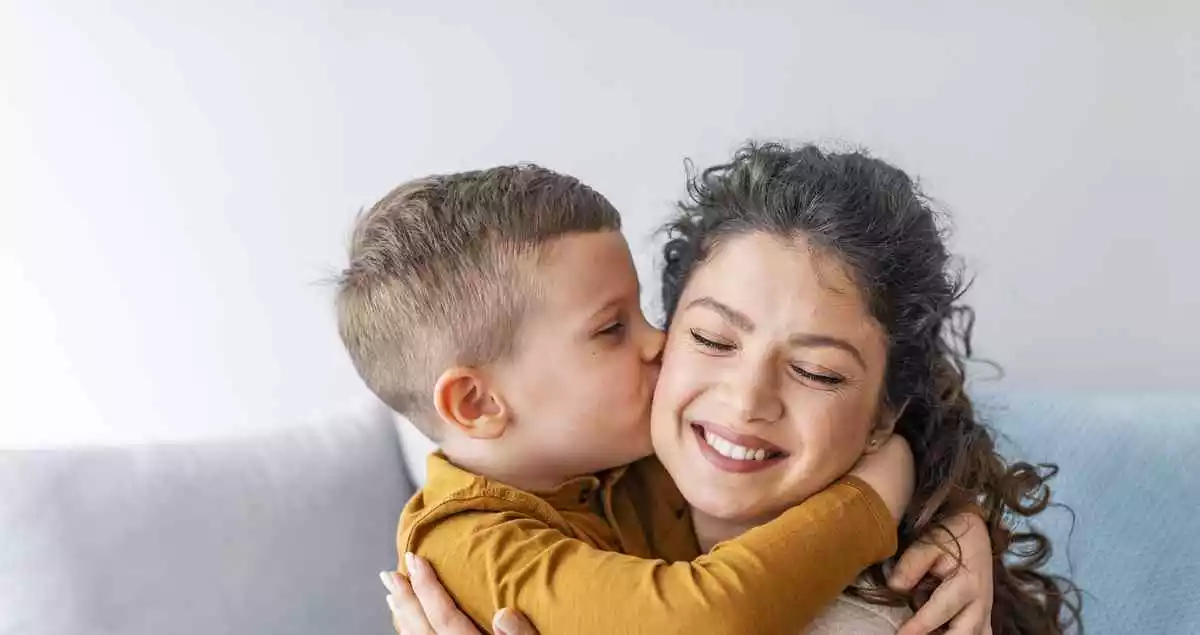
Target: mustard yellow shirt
616	553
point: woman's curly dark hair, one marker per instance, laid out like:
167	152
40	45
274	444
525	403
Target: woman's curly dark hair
877	221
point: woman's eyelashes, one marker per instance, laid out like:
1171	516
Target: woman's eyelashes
716	345
821	378
711	343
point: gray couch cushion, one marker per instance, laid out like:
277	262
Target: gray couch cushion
269	534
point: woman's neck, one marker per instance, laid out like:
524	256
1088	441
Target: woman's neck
711	530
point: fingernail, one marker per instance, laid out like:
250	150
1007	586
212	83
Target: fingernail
388	583
410	562
505	622
392	606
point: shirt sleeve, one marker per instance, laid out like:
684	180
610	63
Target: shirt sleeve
775	578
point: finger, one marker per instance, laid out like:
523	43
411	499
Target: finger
392	582
397	626
946	566
408	617
914	563
972	621
948	600
510	622
441	611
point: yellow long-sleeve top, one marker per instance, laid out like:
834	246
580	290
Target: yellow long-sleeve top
616	553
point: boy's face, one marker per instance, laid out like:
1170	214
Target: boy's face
585	363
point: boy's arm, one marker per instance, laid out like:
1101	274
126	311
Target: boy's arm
774	578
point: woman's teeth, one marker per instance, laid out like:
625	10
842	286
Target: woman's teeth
734	451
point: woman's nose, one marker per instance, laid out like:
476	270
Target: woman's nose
753	393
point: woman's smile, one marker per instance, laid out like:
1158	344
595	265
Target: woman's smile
734	452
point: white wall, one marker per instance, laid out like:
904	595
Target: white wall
177	182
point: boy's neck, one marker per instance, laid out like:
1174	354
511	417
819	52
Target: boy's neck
519	479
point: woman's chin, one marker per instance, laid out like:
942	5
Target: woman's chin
728	509
741	505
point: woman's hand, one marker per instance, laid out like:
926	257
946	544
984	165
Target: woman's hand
421	606
963	599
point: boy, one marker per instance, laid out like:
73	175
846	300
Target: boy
499	311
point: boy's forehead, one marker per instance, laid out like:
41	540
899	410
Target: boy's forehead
579	271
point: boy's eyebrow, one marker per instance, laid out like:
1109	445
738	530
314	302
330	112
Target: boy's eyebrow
743	322
604	308
616	300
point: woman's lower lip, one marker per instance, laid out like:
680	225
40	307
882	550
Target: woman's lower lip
726	464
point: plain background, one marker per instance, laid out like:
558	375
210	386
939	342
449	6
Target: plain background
177	180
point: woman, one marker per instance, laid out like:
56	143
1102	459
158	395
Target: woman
813	311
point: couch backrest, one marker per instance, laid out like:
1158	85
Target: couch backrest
282	533
1128	471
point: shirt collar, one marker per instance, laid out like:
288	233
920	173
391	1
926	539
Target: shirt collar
443	478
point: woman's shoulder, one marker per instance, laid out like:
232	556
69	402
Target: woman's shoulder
853	616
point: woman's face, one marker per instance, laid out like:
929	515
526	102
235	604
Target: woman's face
771	379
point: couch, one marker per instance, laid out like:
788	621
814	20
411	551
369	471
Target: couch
285	532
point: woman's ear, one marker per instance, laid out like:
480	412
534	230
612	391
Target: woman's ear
466	400
885	427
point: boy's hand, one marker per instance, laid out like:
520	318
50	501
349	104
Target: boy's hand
963	599
890	471
421	606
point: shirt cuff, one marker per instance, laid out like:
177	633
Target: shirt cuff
886	529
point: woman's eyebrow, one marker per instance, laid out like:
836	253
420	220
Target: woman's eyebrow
813	340
809	340
735	317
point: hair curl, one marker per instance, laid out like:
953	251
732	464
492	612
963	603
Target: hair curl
877	221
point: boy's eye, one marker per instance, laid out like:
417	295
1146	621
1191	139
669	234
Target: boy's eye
720	347
616	328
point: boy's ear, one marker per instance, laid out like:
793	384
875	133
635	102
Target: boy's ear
465	399
885	427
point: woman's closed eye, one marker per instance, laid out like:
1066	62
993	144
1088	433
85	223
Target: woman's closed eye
710	343
717	346
821	378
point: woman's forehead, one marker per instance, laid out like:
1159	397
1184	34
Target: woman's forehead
786	284
786	266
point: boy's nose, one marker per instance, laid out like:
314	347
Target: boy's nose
652	345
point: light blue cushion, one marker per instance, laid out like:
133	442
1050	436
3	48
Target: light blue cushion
1128	470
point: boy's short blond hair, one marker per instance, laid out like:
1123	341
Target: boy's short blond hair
439	274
